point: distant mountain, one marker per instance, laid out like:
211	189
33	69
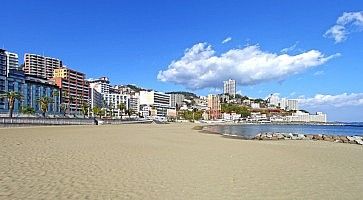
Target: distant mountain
188	95
136	88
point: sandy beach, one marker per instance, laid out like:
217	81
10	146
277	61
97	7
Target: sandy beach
171	162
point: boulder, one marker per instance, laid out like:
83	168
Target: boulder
274	138
343	139
337	139
317	137
328	138
257	137
301	136
280	137
359	141
350	138
352	142
309	137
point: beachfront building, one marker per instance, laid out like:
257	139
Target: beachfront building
40	66
101	85
74	88
35	88
229	87
289	104
11	78
112	97
113	100
95	98
286	104
214	107
231	116
156	100
300	116
135	103
176	100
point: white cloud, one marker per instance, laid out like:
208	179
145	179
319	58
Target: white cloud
347	23
319	73
291	48
340	100
200	67
228	39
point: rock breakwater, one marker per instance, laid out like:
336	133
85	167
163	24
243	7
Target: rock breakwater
295	136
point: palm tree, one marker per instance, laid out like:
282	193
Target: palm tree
44	103
96	111
70	102
111	107
130	112
84	109
11	97
55	94
28	110
121	107
102	112
63	108
80	102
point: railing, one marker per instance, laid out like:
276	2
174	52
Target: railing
23	121
45	121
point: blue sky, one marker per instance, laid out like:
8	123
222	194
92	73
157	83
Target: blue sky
131	41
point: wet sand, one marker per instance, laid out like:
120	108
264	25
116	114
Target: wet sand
171	162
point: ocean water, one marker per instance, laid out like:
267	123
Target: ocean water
250	130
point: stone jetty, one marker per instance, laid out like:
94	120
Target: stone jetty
295	136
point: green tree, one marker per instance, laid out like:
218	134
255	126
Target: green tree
234	108
44	103
192	115
84	109
11	98
121	107
27	110
96	111
71	100
63	108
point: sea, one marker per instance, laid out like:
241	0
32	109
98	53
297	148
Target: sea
250	130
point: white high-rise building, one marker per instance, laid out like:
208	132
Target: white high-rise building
292	104
176	100
283	103
300	116
95	98
113	100
273	100
135	103
157	100
101	85
229	87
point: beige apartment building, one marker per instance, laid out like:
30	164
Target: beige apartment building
40	66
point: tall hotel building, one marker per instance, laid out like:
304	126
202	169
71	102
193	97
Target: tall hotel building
40	66
229	87
74	88
157	100
214	107
11	78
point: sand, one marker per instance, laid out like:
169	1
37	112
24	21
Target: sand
171	162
